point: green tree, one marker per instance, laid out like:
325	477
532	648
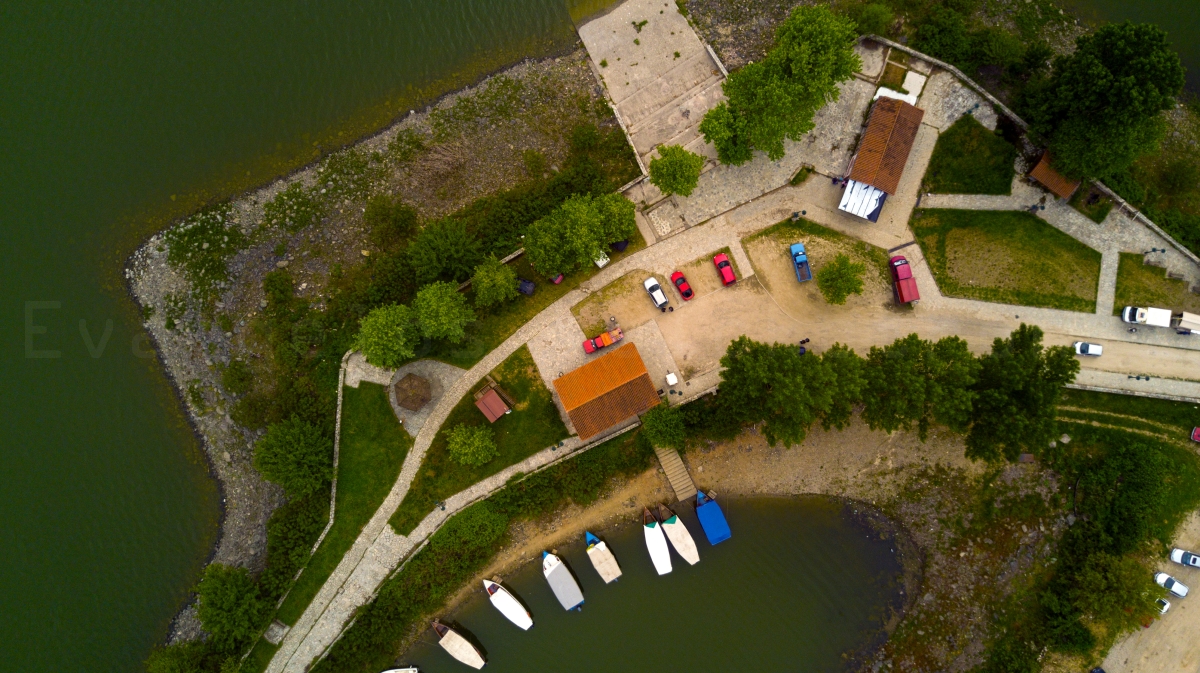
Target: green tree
847	388
390	221
229	607
664	427
676	170
776	98
493	282
874	19
944	34
442	312
840	278
774	383
1017	394
472	445
388	335
1101	107
444	250
916	381
578	232
296	455
1118	591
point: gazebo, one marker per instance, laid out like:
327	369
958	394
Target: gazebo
412	392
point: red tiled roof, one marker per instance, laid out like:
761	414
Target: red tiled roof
886	143
1052	179
606	391
491	405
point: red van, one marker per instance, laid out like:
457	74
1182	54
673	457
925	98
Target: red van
904	284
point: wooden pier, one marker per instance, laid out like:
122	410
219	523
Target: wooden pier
677	473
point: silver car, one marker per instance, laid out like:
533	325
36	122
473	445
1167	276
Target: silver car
1085	348
1183	557
1171	584
656	293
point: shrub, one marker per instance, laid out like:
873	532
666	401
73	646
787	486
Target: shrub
676	170
578	232
293	209
237	377
840	278
194	656
944	35
296	455
663	426
388	336
229	607
472	445
444	250
390	220
442	312
493	283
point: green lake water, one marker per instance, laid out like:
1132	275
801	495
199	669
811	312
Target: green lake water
114	118
1180	18
800	584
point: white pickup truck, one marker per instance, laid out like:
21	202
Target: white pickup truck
1161	317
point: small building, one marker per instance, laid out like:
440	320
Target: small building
1053	180
412	392
606	391
491	404
879	162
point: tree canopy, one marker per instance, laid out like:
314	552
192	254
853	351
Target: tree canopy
471	444
1016	395
840	278
848	382
578	232
296	455
774	383
664	427
776	98
442	312
493	282
229	607
918	381
1100	109
388	335
444	250
676	170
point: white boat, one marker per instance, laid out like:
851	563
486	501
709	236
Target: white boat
656	542
679	536
507	604
562	582
602	559
411	669
458	647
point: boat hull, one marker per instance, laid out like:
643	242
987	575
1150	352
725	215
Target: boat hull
508	605
656	544
561	582
458	647
712	519
681	539
603	560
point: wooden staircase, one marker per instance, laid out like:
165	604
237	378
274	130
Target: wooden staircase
677	473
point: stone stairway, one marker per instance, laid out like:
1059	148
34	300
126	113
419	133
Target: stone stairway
677	473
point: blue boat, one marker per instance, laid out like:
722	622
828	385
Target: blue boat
712	519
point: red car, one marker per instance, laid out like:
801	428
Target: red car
725	269
681	284
603	341
904	285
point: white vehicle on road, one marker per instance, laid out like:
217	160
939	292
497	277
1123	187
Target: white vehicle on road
1156	317
1085	348
1171	584
656	293
1184	557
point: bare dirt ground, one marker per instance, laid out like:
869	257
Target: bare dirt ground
625	299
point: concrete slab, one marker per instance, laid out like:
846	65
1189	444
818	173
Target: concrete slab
359	370
945	99
652	346
872	55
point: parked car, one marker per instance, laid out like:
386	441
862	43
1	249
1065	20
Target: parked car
904	286
725	268
1171	584
681	284
1163	605
606	339
1184	557
1196	434
525	286
800	262
1085	348
656	293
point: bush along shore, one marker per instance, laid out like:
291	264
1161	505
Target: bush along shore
252	302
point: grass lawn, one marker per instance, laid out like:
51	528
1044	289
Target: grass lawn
259	657
1140	284
969	159
788	232
497	323
533	425
893	77
373	447
1173	420
1010	257
1091	203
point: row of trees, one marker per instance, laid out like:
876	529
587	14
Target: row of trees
1004	400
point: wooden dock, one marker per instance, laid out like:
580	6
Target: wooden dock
677	473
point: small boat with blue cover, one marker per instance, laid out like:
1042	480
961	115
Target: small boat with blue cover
712	519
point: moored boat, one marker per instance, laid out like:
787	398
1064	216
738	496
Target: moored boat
678	534
602	559
656	542
712	518
458	647
561	582
507	604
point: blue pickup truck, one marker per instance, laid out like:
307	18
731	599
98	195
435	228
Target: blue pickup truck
800	261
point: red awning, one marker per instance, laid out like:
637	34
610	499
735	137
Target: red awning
491	405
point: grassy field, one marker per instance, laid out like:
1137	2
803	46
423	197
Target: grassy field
969	159
1093	204
788	232
533	425
1008	257
1140	284
498	323
1171	420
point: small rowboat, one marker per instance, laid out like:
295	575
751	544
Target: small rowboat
656	542
679	536
458	647
602	559
562	582
712	519
507	604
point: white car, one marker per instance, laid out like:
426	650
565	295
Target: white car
1186	558
1163	605
1171	584
1085	348
656	293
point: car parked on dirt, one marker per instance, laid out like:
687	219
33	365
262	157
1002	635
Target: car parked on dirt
1085	348
1184	557
1163	605
800	262
1171	584
904	286
656	293
603	340
725	268
681	284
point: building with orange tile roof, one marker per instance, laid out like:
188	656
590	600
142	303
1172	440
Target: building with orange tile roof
606	391
883	151
1051	179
